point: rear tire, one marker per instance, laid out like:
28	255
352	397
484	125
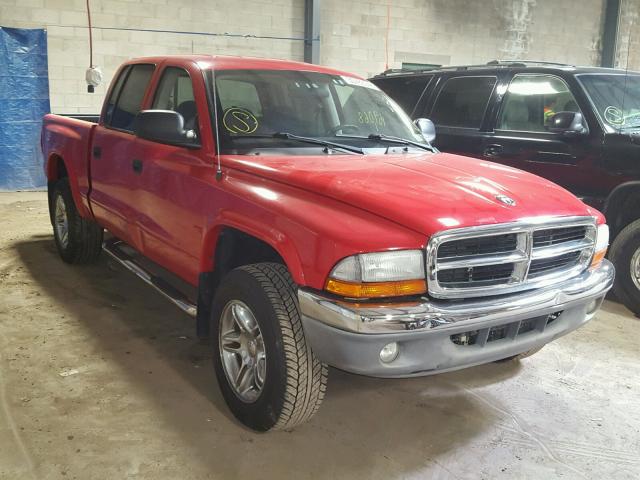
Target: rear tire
291	387
625	255
520	356
79	240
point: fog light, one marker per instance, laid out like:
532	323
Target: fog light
389	352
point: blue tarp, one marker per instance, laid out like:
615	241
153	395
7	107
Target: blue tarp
24	99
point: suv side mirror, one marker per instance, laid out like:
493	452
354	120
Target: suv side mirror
164	126
427	128
568	123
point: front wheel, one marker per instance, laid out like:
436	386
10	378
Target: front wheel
625	255
268	375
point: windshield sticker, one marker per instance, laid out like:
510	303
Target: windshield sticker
372	118
614	115
358	82
239	120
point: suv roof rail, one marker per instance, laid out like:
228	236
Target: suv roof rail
492	63
524	63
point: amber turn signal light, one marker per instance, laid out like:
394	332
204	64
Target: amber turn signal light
376	289
598	257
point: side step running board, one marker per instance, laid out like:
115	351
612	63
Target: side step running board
112	247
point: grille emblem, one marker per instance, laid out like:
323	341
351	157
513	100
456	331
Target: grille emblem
506	200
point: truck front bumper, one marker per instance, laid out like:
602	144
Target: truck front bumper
437	336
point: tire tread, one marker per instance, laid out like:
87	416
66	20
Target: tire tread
306	376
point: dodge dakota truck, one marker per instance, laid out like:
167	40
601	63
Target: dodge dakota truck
304	221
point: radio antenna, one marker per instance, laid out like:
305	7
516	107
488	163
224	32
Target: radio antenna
216	130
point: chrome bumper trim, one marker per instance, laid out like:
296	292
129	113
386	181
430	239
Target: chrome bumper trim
437	314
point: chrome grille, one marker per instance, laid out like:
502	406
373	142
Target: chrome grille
503	258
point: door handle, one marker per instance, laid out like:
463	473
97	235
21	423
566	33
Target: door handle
493	150
137	165
97	152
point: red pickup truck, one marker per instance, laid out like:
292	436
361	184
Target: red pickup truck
305	221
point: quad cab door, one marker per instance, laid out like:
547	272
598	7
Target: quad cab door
114	180
176	183
521	139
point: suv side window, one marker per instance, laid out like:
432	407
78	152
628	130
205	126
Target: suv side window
463	101
406	91
531	100
175	92
129	98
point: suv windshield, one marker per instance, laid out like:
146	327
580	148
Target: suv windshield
293	109
616	98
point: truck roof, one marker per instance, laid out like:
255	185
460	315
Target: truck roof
228	62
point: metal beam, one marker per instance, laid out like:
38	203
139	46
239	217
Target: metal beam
610	33
312	31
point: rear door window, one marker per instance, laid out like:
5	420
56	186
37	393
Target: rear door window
406	91
462	102
531	100
129	99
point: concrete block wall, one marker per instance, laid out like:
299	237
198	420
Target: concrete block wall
365	36
362	36
628	52
66	21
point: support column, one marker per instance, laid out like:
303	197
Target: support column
610	33
312	31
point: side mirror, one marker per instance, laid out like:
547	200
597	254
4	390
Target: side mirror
427	128
568	123
164	126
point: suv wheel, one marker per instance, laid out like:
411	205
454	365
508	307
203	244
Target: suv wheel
79	240
268	375
625	255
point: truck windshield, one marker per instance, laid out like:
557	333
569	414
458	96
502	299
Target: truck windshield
276	108
616	98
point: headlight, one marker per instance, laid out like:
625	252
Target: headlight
383	274
602	242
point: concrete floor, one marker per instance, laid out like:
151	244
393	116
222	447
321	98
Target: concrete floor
101	378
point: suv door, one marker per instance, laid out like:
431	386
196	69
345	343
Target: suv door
113	179
406	91
459	112
520	137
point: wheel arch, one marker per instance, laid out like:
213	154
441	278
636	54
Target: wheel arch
618	208
229	245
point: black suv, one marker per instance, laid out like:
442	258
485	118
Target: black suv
576	126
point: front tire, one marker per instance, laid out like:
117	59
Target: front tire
268	375
625	255
79	240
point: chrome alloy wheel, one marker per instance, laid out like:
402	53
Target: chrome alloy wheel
635	268
244	359
61	222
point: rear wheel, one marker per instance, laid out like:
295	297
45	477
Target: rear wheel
267	373
625	255
79	240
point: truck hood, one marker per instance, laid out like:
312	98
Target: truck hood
424	192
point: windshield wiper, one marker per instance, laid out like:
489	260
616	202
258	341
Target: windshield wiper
401	141
388	138
326	144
